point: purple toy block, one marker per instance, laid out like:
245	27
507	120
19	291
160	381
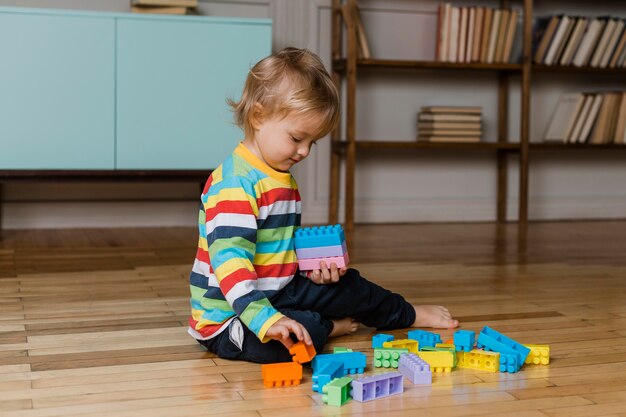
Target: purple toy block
314	263
322	251
379	339
377	386
415	369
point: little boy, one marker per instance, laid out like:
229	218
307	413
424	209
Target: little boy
247	295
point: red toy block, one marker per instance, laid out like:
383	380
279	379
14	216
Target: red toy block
302	353
281	374
314	263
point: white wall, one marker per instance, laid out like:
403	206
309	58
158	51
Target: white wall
391	186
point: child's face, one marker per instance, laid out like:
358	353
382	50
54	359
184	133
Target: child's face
283	142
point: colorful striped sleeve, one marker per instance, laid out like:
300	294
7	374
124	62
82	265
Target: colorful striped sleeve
231	234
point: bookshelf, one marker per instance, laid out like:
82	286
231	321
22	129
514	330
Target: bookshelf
347	65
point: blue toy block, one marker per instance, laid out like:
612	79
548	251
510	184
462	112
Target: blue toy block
508	363
377	386
415	369
379	339
328	372
313	237
489	337
322	251
464	340
353	362
424	338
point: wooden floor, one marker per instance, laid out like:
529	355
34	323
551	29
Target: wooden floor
93	322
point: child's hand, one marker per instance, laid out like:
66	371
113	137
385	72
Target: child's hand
327	275
283	327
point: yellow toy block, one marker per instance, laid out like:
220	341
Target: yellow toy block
539	355
439	360
479	359
409	344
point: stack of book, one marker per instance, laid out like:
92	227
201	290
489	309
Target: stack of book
478	34
449	124
163	6
595	118
580	41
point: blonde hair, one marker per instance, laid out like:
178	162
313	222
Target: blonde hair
291	81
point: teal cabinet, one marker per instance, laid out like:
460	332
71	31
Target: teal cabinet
173	79
103	91
57	92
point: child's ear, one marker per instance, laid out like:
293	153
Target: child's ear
256	118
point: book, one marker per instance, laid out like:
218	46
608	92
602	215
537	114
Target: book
476	38
510	36
159	10
572	136
618	51
504	26
601	126
470	33
574	41
603	42
493	35
557	39
171	3
563	43
590	118
518	42
563	117
486	34
612	118
452	109
612	44
588	42
543	45
430	117
449	125
449	132
471	139
620	126
453	45
364	48
463	21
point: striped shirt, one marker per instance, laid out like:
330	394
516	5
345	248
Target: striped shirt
247	219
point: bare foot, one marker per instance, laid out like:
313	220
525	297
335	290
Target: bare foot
344	326
434	316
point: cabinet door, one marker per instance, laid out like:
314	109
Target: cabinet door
56	92
174	77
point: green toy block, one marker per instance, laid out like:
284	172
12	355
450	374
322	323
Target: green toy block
337	391
339	349
388	357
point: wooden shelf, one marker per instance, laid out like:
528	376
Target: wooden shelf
571	69
575	146
377	144
340	65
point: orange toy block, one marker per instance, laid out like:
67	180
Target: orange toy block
281	374
302	353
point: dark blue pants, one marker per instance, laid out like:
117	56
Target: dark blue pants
314	306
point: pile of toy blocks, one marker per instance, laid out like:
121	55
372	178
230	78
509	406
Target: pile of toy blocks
415	358
320	243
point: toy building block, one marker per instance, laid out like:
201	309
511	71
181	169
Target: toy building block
508	363
497	342
377	386
464	340
379	339
479	359
302	353
539	355
322	251
387	358
411	345
281	374
328	372
424	338
337	391
415	369
314	263
313	237
339	349
353	362
445	346
439	361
